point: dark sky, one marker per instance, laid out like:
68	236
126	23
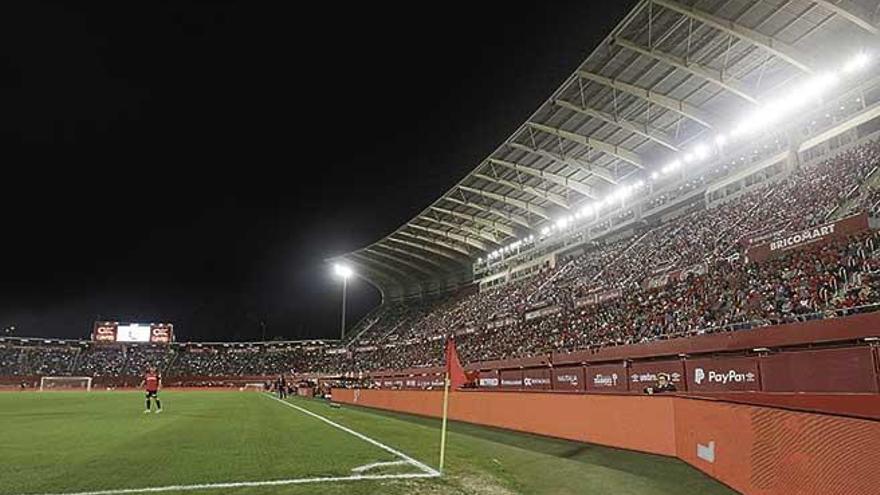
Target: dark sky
196	162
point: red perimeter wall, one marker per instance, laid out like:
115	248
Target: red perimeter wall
757	449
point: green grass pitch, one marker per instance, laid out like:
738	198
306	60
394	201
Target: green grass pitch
96	442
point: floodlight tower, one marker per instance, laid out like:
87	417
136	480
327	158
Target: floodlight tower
343	272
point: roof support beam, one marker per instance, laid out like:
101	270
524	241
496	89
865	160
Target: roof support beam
512	217
451	269
852	12
497	226
571	184
643	130
598	171
465	228
437	242
608	148
383	280
523	205
382	267
554	198
443	266
400	261
459	260
678	106
714	76
769	44
451	235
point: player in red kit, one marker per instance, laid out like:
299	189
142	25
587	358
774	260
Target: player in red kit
151	383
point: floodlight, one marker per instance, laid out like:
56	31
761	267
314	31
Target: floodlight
701	151
654	175
720	139
562	223
688	157
816	86
545	231
343	271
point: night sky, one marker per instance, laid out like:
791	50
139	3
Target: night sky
196	163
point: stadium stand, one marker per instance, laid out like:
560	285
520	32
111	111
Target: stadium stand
668	252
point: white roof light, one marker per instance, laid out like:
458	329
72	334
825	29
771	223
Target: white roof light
562	223
857	63
701	151
816	86
720	139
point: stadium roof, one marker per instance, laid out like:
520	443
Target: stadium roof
670	74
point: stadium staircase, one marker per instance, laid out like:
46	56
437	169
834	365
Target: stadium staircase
565	269
169	365
75	363
623	253
366	323
853	197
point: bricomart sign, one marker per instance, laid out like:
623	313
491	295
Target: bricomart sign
784	241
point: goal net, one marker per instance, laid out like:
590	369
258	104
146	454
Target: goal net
253	387
66	383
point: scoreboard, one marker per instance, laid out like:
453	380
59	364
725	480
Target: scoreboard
114	331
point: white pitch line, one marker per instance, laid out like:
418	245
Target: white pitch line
424	467
247	484
367	467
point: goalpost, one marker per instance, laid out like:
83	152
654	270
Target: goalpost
255	387
66	383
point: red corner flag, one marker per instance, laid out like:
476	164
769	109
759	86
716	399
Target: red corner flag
454	371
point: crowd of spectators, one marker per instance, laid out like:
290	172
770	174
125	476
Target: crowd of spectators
101	360
669	278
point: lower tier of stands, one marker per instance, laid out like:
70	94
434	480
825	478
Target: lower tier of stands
837	355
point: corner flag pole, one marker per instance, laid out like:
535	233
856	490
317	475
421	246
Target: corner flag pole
443	428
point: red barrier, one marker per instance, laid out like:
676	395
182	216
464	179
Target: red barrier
568	378
865	406
644	374
765	451
601	419
722	374
511	379
828	370
489	379
606	378
537	379
753	449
